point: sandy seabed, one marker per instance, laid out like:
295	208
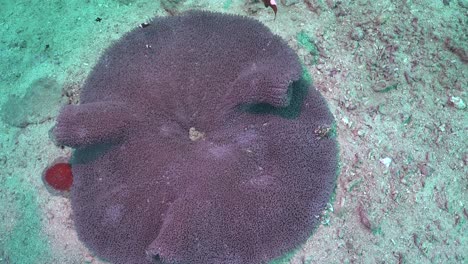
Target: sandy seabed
394	74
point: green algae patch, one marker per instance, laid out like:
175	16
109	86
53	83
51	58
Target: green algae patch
227	4
23	241
307	43
285	259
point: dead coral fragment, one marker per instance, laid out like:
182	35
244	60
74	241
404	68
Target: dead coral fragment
272	4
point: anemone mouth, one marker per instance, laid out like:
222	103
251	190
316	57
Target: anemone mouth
195	135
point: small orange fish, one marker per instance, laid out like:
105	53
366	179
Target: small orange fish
272	4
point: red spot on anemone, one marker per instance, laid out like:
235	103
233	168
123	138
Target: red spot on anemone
59	176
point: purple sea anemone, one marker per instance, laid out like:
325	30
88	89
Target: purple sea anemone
198	141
